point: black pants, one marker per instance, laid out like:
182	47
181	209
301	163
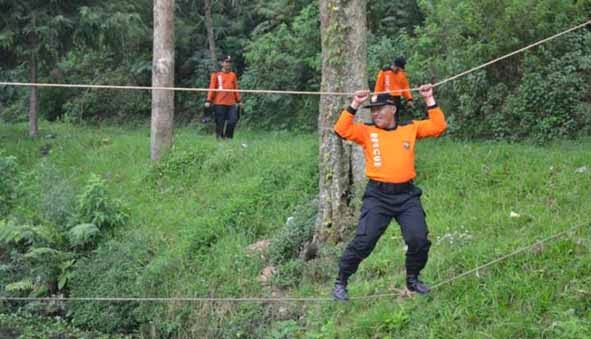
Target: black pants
226	118
381	203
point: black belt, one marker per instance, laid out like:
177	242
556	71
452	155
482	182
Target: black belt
390	187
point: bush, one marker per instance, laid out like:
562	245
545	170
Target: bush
289	274
180	163
545	103
92	106
8	183
113	271
300	71
57	196
13	100
531	95
24	325
96	207
289	241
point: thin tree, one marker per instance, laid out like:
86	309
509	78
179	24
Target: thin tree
35	34
162	76
210	34
343	26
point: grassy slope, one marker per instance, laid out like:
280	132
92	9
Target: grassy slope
470	191
210	200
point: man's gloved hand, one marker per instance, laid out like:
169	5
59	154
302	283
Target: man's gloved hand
207	104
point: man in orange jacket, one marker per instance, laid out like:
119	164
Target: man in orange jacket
393	79
390	166
224	103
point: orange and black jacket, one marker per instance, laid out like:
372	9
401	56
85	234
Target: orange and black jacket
390	154
223	80
395	82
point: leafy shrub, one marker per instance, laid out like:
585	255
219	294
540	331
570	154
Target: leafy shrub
300	70
298	229
8	183
25	325
532	95
95	206
38	260
113	271
544	106
83	235
56	196
88	106
40	257
180	163
13	100
289	274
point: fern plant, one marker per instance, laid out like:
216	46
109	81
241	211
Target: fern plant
41	258
83	236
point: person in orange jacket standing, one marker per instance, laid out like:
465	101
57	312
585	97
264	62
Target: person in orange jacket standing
225	104
393	79
390	193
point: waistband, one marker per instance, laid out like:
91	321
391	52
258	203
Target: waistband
388	187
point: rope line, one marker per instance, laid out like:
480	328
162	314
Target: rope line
511	54
303	299
186	89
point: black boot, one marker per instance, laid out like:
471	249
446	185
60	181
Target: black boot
339	292
414	284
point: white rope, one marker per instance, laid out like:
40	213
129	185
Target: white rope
511	54
255	91
290	299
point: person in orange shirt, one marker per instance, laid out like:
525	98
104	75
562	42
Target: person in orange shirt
393	79
224	103
389	151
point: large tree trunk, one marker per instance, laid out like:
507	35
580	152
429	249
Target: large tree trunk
344	69
162	76
210	35
33	98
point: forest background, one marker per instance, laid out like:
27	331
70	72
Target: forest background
85	213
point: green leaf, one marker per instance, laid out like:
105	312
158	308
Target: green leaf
83	234
43	254
19	286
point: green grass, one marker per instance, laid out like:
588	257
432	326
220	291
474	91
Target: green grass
200	208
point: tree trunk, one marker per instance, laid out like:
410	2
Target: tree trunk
344	69
210	36
33	98
162	76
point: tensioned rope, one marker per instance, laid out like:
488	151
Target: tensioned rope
303	299
186	89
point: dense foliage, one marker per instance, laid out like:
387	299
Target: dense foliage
541	94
